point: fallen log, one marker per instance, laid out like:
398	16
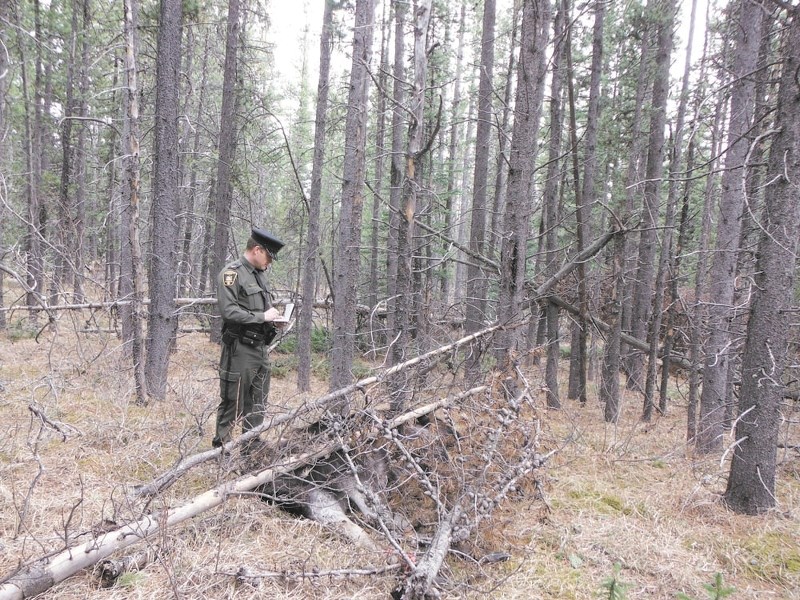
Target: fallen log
46	572
246	575
108	571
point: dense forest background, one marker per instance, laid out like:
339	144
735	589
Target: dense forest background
577	185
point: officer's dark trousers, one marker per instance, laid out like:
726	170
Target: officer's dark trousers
244	387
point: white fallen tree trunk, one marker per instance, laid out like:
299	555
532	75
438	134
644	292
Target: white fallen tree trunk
47	572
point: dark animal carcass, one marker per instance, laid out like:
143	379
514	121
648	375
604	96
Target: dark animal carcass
340	484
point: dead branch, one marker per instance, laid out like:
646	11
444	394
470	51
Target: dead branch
419	585
169	477
628	339
55	425
123	302
479	498
23	284
245	575
578	259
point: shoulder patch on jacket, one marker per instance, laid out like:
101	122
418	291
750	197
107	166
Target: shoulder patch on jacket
229	277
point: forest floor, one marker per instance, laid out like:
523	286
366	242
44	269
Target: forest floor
630	495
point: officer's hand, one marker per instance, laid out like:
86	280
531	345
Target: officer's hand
271	314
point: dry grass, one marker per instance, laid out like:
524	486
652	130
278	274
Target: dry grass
630	494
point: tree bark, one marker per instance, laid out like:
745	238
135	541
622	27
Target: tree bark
227	151
132	271
81	247
522	161
722	276
64	236
663	12
305	319
396	166
633	186
477	280
403	323
189	273
448	288
33	160
751	483
348	249
379	334
163	321
665	260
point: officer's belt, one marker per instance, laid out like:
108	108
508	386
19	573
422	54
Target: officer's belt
251	336
246	335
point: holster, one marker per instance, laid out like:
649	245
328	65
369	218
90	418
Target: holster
270	332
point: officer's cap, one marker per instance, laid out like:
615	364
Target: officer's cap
268	241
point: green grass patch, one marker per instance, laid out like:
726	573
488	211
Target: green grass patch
603	503
130	580
773	557
21	329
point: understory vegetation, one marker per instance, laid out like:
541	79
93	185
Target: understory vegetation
618	511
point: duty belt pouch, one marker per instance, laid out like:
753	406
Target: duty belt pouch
251	338
269	334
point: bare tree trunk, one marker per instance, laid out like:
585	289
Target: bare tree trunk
227	151
609	385
33	160
411	185
654	327
44	574
751	483
64	235
477	280
663	13
348	250
163	320
517	213
306	317
531	76
81	247
722	275
396	167
633	179
187	283
377	187
584	198
550	216
453	146
501	175
131	272
464	218
112	202
700	282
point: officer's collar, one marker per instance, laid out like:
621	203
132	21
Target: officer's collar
250	266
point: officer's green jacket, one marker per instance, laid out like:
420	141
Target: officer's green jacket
240	298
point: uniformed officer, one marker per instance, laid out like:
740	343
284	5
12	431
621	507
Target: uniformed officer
247	330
